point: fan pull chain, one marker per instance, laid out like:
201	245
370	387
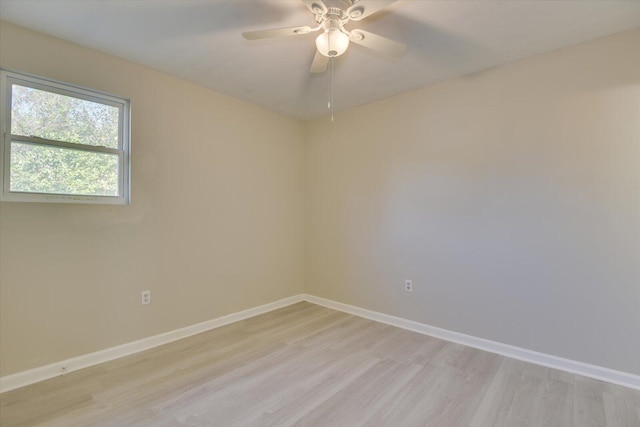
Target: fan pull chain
331	87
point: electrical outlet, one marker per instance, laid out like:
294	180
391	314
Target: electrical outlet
145	297
408	286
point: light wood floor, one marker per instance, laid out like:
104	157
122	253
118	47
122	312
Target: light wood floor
311	366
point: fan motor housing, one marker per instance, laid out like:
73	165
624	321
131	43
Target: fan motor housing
335	10
339	4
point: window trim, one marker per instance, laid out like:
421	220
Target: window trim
7	79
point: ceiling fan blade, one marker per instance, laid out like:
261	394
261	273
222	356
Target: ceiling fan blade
316	7
377	43
276	32
364	8
319	63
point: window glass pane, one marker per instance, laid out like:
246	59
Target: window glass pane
55	170
49	115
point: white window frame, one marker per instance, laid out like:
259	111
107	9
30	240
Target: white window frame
7	79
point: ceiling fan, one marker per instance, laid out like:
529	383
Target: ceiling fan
331	17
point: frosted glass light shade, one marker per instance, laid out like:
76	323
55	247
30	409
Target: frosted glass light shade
332	42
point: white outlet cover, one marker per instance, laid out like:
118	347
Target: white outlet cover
145	297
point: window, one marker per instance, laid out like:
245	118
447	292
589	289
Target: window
62	143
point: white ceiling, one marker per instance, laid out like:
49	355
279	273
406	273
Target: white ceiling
201	41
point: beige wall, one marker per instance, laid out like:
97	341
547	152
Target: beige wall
510	197
215	225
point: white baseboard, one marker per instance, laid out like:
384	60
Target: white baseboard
592	371
21	379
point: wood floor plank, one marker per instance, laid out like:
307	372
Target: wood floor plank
588	402
307	365
316	389
406	406
555	404
621	407
364	396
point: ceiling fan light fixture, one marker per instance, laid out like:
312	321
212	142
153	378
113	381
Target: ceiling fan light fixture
332	42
